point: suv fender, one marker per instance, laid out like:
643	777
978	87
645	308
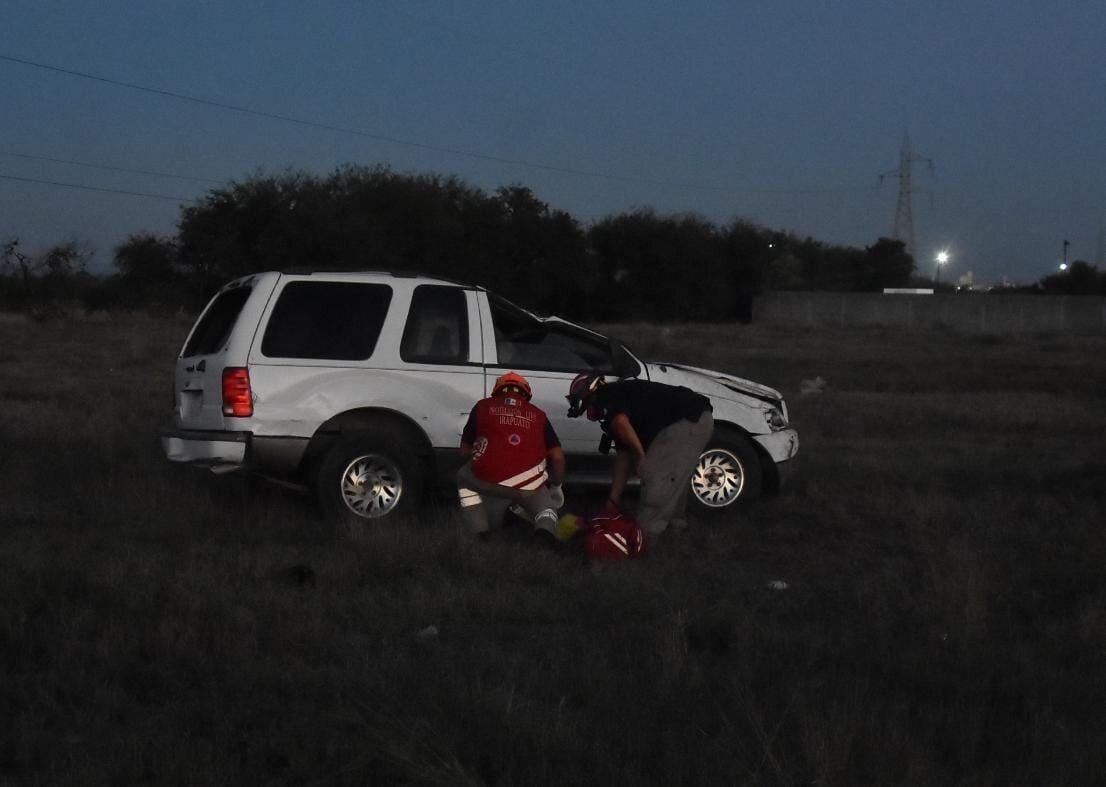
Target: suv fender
369	465
732	470
362	420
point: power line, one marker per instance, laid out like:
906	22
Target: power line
404	142
94	188
417	145
355	131
110	168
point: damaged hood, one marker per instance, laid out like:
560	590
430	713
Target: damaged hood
711	383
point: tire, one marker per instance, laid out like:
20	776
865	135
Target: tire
369	477
727	476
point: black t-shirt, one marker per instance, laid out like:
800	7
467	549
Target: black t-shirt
649	406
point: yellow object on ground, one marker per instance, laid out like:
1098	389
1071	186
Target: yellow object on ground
567	526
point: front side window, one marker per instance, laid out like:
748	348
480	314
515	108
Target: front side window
323	320
523	342
437	328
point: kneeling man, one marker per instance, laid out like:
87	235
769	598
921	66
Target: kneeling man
514	457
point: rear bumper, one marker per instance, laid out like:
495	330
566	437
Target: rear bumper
224	452
221	451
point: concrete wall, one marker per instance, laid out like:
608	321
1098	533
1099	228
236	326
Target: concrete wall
969	312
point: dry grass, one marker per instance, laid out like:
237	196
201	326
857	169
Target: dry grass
943	622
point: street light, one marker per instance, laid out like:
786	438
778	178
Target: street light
1063	267
942	258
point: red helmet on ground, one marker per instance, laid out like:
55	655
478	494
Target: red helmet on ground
612	536
512	380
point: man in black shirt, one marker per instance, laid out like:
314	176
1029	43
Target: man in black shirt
659	432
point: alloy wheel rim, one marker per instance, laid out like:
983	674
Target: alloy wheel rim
371	486
719	478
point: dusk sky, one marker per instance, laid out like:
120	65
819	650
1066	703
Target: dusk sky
780	112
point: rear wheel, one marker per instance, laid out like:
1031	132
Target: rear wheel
371	476
728	474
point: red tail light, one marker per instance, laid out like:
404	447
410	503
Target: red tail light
237	396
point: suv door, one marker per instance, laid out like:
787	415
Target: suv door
441	349
549	354
317	333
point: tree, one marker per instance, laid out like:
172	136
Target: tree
541	252
361	218
147	259
147	275
15	270
883	264
750	250
246	227
660	267
59	273
1081	278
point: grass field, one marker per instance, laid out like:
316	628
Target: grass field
944	619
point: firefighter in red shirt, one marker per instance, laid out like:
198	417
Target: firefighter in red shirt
514	457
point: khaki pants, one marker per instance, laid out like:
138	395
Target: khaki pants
481	501
666	472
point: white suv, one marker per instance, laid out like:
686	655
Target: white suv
358	385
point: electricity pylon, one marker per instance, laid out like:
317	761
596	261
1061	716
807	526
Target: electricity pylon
904	213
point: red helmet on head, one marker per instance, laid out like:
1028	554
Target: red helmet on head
511	380
579	392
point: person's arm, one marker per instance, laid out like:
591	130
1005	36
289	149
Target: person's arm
620	474
627	459
555	465
468	435
623	432
554	455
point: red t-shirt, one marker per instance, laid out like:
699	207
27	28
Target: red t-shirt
510	438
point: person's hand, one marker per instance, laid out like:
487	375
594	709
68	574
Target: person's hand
557	495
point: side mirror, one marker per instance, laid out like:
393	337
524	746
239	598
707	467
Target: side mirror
622	362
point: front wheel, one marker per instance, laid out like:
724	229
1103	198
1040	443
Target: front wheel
368	477
727	474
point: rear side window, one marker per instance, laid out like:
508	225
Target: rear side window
437	328
213	329
333	321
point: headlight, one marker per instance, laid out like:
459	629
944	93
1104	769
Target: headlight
776	419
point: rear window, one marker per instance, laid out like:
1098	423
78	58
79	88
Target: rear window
333	321
213	329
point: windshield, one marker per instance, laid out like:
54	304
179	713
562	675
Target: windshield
527	342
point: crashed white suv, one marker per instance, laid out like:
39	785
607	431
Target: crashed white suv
358	385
